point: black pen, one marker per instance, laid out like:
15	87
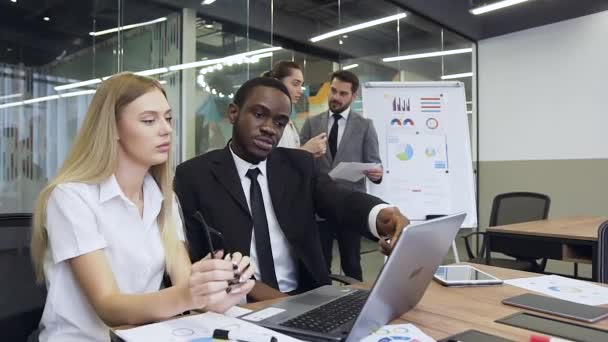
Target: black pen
221	334
199	217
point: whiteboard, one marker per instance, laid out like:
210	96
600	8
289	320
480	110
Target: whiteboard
423	133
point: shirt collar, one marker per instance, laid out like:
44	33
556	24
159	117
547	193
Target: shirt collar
109	189
242	166
344	113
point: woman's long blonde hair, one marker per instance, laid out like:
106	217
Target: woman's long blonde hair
94	158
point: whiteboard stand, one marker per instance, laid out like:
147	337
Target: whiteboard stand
424	144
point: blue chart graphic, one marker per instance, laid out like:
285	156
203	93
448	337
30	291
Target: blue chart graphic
407	154
565	289
430	104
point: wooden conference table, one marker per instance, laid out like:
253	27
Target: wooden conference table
445	311
571	239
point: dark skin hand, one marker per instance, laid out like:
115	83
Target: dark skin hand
261	292
390	223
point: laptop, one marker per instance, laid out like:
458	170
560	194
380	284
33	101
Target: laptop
331	313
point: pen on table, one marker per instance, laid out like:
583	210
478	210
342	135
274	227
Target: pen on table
221	334
199	217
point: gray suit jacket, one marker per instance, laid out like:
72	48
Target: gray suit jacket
359	143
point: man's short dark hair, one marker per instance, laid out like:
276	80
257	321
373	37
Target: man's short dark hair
346	76
245	90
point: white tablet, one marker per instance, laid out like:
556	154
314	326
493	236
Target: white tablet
461	275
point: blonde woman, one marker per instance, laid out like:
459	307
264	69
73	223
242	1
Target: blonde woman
107	227
291	75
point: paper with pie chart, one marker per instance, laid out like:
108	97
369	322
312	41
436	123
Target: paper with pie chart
421	161
398	332
195	328
564	288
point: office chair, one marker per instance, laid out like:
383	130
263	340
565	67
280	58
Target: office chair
21	299
511	208
602	253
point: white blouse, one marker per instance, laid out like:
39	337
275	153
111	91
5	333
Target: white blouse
82	218
291	137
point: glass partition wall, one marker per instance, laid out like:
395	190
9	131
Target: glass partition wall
376	40
52	57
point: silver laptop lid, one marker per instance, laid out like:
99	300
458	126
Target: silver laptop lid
407	273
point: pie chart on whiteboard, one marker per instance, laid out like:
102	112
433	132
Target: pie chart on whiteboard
406	153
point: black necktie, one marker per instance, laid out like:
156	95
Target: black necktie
333	135
260	228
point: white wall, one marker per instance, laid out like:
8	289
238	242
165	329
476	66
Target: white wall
543	92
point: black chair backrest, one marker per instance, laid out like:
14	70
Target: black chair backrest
602	253
517	207
21	299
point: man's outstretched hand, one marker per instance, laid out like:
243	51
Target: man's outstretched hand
390	223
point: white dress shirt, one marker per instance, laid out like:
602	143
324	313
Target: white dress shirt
291	137
285	266
82	218
341	123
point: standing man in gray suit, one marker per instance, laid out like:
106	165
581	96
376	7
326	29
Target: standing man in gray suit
352	138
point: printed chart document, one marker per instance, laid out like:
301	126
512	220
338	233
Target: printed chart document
573	290
195	328
352	172
398	332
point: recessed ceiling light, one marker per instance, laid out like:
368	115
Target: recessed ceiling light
358	27
46	19
11	96
453	76
127	27
207	2
495	6
427	54
13	0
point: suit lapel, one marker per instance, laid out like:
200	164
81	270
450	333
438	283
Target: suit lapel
277	178
225	173
323	127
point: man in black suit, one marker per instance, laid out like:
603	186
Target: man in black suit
264	199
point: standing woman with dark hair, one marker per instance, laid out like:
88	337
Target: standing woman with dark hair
107	227
291	75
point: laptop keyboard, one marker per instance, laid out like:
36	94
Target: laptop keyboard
330	316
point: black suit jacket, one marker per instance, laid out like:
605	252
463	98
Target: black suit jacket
210	184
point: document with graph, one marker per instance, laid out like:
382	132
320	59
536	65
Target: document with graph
578	291
195	328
